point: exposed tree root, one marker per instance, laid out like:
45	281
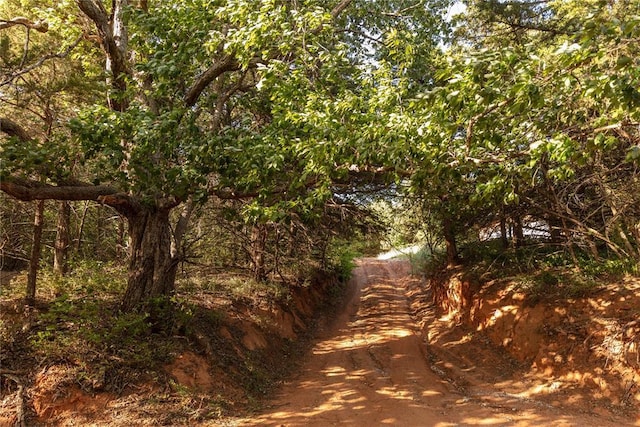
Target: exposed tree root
20	398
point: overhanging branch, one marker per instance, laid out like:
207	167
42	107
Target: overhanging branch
226	63
40	26
11	128
28	190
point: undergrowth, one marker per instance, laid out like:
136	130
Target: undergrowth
541	271
77	322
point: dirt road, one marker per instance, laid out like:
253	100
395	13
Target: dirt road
372	367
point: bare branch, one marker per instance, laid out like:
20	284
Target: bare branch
25	52
40	26
40	62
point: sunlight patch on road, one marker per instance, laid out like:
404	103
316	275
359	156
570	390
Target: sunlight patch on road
409	250
363	341
335	371
394	393
400	333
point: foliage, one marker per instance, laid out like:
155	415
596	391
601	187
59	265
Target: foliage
550	286
271	103
78	324
532	118
342	256
275	122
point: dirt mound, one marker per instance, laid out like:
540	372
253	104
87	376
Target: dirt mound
55	398
230	353
579	352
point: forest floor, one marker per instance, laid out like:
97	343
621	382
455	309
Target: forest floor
385	356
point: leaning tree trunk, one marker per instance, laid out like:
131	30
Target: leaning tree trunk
152	266
36	249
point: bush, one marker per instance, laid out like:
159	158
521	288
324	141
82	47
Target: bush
616	267
342	257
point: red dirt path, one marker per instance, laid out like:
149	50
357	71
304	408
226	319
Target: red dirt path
372	367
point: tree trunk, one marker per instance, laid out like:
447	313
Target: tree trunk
518	233
258	244
81	226
36	249
503	231
450	241
61	244
152	267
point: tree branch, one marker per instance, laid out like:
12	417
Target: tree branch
11	128
41	61
473	120
28	190
40	26
401	13
226	63
340	7
113	38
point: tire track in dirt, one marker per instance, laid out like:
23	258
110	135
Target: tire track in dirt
371	367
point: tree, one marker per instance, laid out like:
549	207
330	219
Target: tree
263	101
535	112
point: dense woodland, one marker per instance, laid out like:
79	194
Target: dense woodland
263	137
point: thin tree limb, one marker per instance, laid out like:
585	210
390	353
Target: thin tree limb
41	61
25	52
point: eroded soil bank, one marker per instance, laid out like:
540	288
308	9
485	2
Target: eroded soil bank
579	353
227	355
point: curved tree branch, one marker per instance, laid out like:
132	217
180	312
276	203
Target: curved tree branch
229	63
11	128
40	26
226	63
